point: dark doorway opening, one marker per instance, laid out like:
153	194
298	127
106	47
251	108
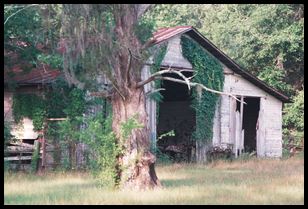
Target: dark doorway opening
250	118
176	113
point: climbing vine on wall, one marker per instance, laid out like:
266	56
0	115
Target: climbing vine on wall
209	73
31	106
58	102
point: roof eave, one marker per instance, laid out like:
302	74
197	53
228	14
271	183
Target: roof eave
193	33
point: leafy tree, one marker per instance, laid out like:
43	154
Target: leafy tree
293	120
261	38
104	49
30	36
294	112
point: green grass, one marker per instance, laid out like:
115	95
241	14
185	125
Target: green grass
239	182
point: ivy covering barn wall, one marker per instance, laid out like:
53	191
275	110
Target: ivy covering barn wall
209	72
57	101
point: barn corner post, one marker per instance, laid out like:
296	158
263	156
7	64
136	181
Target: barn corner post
41	146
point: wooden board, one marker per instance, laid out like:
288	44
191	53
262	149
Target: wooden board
17	158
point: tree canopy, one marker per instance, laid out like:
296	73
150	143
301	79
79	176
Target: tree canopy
266	39
95	45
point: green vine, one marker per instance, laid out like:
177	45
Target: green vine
35	158
209	73
57	102
31	106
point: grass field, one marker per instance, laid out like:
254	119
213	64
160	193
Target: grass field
238	182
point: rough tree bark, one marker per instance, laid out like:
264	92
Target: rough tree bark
124	64
137	162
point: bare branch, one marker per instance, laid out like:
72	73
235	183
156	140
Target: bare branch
161	72
192	76
31	5
193	84
155	90
158	76
118	91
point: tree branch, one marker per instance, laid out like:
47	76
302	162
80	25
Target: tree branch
161	72
158	76
155	90
118	91
19	11
193	84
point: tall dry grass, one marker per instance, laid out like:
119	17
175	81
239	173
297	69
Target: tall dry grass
255	181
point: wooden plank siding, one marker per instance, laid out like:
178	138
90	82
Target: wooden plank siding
150	105
226	129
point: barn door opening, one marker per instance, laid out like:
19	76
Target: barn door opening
249	123
176	113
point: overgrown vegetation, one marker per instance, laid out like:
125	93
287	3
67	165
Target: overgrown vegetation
266	39
8	137
257	36
35	158
163	158
103	150
293	122
31	106
209	72
252	182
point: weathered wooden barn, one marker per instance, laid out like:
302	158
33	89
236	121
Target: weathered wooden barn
19	154
254	124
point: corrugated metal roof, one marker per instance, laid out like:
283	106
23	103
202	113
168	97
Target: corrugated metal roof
163	34
41	76
35	76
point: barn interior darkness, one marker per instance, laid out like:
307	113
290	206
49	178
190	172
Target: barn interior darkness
250	117
176	113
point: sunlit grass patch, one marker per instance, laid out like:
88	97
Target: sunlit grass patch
257	181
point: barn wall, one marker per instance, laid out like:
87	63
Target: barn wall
271	144
150	104
225	113
217	124
234	83
174	57
24	130
8	102
272	120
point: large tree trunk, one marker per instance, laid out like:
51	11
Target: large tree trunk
136	164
